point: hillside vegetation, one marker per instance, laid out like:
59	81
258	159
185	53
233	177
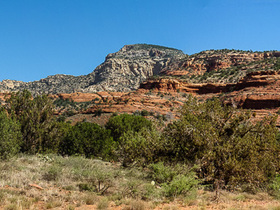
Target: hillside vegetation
211	147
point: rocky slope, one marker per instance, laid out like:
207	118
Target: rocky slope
154	80
221	66
121	71
162	98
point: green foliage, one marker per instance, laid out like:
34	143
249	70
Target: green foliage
96	176
162	173
98	180
87	139
9	136
39	130
175	180
123	123
277	64
98	112
53	173
181	185
64	103
229	151
150	46
139	147
221	140
143	113
275	186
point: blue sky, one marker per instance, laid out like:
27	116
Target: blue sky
46	37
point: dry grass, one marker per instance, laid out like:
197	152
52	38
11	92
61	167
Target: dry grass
73	181
70	183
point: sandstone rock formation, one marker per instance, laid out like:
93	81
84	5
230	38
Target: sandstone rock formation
258	91
213	60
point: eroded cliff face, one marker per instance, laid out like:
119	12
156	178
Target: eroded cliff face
258	90
121	71
172	85
213	60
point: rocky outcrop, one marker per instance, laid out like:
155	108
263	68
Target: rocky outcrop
124	70
258	91
213	60
251	80
121	71
59	83
153	104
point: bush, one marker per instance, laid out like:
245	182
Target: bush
53	173
123	123
229	150
139	147
96	176
175	180
274	187
38	127
9	136
181	185
161	173
87	139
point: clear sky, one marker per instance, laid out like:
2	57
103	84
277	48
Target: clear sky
46	37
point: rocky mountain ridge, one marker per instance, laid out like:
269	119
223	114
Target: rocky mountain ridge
122	71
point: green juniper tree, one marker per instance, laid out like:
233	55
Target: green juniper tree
229	149
40	131
87	139
10	136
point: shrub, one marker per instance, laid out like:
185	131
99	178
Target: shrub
139	147
9	136
181	185
175	180
53	173
38	127
98	112
123	123
274	186
161	173
277	64
103	204
145	113
136	205
221	140
87	139
95	177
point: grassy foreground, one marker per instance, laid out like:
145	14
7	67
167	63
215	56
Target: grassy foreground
50	181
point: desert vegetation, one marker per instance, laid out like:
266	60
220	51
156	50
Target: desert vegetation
213	150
